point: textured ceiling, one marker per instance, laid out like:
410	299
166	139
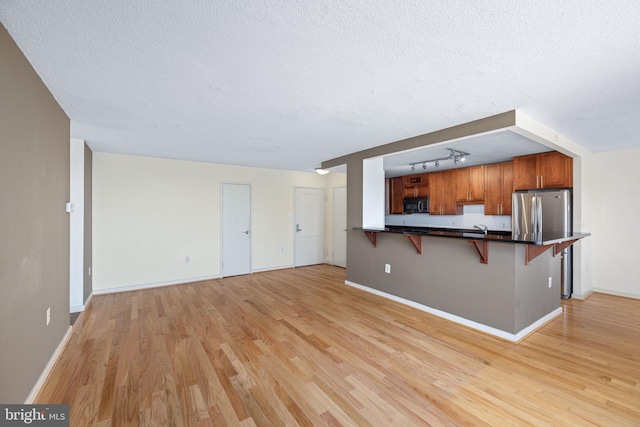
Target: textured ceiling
288	84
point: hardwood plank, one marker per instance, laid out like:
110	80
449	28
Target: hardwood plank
298	347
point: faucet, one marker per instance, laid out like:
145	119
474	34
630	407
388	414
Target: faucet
481	227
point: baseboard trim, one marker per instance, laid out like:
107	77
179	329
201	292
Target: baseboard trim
582	297
152	285
616	293
47	369
461	320
278	267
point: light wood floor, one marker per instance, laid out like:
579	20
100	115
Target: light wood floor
299	347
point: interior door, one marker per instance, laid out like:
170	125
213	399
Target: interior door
340	226
309	226
236	229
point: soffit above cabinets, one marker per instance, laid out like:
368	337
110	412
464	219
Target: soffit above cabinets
483	149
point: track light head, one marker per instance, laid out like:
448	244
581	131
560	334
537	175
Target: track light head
413	167
424	166
437	163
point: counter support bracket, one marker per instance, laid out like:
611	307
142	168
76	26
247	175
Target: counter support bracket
534	251
373	237
417	242
483	249
559	247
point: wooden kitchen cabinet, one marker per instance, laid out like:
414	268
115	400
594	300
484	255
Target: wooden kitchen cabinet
498	188
442	200
544	170
416	185
470	185
396	193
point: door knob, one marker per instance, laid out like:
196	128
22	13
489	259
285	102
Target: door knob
298	229
246	232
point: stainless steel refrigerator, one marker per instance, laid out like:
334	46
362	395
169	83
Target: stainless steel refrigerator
542	215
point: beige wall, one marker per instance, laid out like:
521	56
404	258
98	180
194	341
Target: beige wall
149	213
616	230
34	227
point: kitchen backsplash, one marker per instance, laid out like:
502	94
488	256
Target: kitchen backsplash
472	215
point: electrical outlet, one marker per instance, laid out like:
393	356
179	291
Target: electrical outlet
281	250
89	270
187	259
550	282
387	268
48	315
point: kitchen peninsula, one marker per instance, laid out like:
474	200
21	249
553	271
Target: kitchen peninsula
516	290
503	284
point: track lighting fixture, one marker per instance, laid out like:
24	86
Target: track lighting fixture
456	155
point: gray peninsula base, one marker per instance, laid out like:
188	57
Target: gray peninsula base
505	294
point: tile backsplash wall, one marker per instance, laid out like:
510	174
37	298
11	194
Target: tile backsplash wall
472	215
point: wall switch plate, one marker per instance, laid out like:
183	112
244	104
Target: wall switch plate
387	268
550	282
48	315
187	259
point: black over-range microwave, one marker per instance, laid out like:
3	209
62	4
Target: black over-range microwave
415	205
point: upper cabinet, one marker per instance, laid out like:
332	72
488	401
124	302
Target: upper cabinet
470	185
498	188
443	193
416	185
544	170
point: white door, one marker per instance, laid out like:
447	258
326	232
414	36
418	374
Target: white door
236	229
309	223
340	226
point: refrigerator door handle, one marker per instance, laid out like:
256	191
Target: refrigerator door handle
515	214
532	215
539	214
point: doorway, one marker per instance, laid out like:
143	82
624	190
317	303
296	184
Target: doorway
309	226
236	229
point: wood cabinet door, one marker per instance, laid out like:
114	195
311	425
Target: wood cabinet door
449	205
476	184
422	190
525	172
556	170
507	188
498	188
396	192
436	184
493	189
462	185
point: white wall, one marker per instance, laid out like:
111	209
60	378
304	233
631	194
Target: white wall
76	247
616	224
148	214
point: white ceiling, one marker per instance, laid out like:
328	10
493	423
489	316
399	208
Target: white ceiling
288	84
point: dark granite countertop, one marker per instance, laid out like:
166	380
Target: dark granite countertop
546	238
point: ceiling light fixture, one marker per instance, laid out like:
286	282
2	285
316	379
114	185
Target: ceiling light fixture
456	155
322	171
